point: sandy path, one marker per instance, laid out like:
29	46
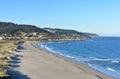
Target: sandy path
38	64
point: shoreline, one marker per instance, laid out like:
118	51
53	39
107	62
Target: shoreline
37	63
79	65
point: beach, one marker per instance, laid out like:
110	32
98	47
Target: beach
39	64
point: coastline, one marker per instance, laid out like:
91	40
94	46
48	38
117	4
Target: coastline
80	65
37	63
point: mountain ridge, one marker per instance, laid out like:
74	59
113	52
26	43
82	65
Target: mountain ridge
12	28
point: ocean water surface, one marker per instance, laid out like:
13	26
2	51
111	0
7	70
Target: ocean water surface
102	54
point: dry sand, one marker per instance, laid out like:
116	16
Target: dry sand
38	64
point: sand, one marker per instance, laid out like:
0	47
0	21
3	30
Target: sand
39	64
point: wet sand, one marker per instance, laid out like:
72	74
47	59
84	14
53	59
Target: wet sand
39	64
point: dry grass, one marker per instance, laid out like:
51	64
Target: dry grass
6	46
3	72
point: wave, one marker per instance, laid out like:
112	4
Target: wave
84	52
111	69
50	49
91	61
42	46
105	60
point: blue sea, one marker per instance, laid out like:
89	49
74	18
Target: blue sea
102	54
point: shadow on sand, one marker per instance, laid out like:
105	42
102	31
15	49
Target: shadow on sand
15	62
17	75
12	69
16	58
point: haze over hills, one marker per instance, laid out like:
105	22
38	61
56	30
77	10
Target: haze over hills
12	28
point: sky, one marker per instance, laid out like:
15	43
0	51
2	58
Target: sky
95	16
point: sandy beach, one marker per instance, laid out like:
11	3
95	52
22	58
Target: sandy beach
39	64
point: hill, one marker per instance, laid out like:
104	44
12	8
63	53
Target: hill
13	29
66	32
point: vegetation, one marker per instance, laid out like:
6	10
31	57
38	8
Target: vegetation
5	47
11	28
63	31
73	33
3	73
8	29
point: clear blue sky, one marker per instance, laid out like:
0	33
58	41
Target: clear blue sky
97	16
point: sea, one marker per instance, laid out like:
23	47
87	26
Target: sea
102	54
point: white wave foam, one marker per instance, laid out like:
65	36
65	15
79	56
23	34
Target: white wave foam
104	60
49	49
42	46
115	61
89	65
52	51
110	69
